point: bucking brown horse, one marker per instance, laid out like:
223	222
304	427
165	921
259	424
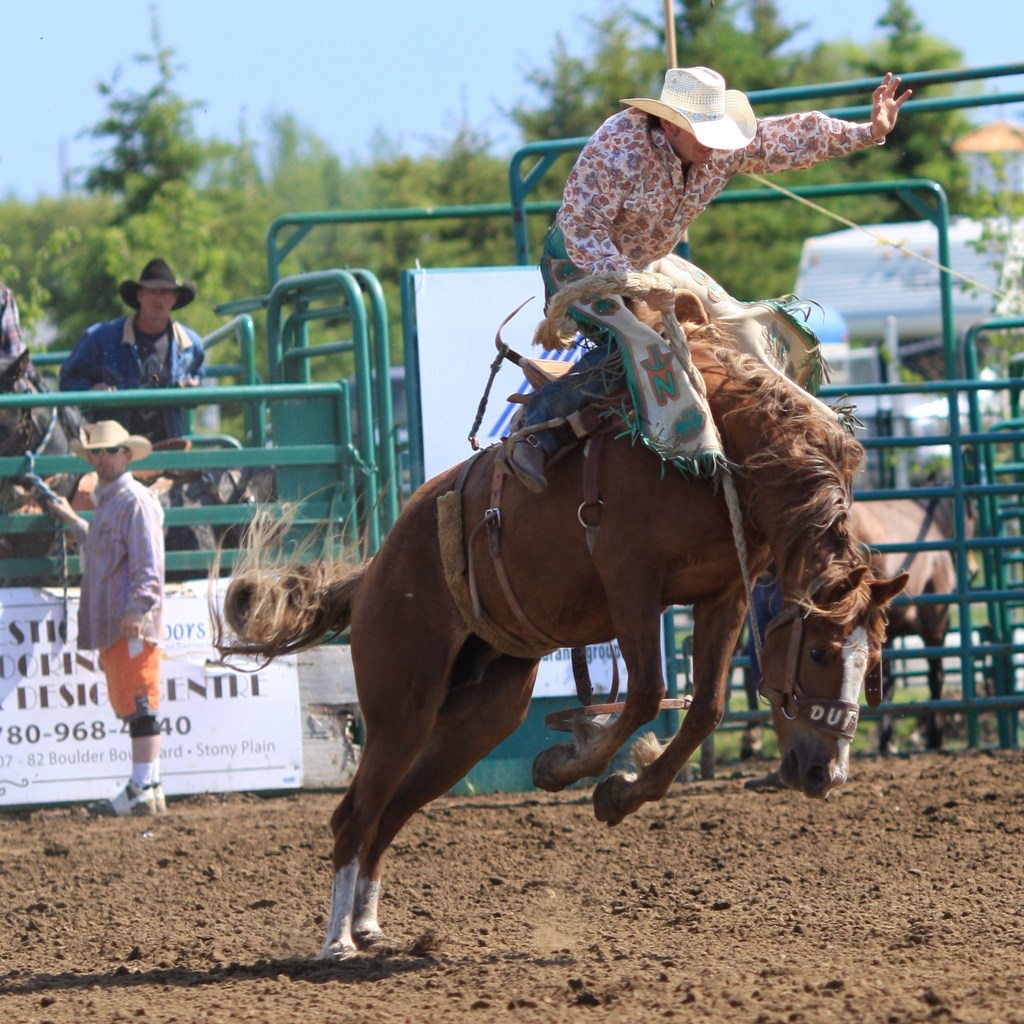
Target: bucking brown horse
479	578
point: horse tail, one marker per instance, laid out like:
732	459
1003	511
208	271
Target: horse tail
278	604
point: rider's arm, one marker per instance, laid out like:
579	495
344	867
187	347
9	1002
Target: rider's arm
606	180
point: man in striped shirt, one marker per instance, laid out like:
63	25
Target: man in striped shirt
121	609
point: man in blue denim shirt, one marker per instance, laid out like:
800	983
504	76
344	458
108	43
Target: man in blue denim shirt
144	349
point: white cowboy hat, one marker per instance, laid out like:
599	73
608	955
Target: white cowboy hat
109	434
696	99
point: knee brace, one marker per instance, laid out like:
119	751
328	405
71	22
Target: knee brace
143	725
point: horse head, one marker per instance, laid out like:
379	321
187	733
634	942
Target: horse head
32	431
15	378
818	652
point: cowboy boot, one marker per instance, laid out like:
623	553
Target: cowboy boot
526	461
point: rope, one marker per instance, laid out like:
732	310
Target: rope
681	350
879	239
48	433
482	405
732	502
558	329
36	481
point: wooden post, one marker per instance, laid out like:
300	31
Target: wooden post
670	34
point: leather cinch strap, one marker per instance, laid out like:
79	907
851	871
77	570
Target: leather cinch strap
492	523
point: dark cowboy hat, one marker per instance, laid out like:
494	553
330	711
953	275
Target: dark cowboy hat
157	274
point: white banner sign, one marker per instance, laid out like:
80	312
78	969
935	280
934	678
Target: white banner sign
223	729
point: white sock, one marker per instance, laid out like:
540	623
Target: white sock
142	772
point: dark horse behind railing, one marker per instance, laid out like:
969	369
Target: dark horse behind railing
35	431
49	430
479	578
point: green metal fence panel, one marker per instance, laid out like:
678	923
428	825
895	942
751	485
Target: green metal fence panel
311	456
531	162
353	298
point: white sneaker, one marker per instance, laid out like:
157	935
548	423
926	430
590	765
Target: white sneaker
132	800
159	800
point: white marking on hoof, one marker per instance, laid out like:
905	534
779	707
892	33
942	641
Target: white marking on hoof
366	929
337	953
339	945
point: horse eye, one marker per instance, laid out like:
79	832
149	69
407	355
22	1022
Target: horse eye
818	656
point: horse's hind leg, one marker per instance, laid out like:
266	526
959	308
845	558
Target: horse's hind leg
934	626
474	719
398	722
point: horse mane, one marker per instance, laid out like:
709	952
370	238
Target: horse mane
804	462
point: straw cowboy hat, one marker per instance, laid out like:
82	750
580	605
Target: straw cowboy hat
157	274
109	434
696	99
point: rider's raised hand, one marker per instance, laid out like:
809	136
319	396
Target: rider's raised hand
885	106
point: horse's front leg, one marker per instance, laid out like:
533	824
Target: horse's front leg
366	929
339	944
715	632
595	746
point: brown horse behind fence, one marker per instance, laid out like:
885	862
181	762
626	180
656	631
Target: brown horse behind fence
442	678
932	573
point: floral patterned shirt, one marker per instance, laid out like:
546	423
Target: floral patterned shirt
628	200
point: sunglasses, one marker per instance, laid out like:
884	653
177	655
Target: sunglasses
109	451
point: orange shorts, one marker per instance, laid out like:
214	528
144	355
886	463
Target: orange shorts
133	684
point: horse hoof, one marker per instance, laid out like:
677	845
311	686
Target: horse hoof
338	951
369	939
609	805
549	768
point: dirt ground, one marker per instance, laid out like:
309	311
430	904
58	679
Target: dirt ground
898	899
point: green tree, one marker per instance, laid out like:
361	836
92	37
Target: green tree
152	138
753	248
158	190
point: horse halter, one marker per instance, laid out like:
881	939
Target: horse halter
834	717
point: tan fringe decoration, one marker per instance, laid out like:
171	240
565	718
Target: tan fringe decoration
558	330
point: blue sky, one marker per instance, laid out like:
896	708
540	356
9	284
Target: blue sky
410	68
